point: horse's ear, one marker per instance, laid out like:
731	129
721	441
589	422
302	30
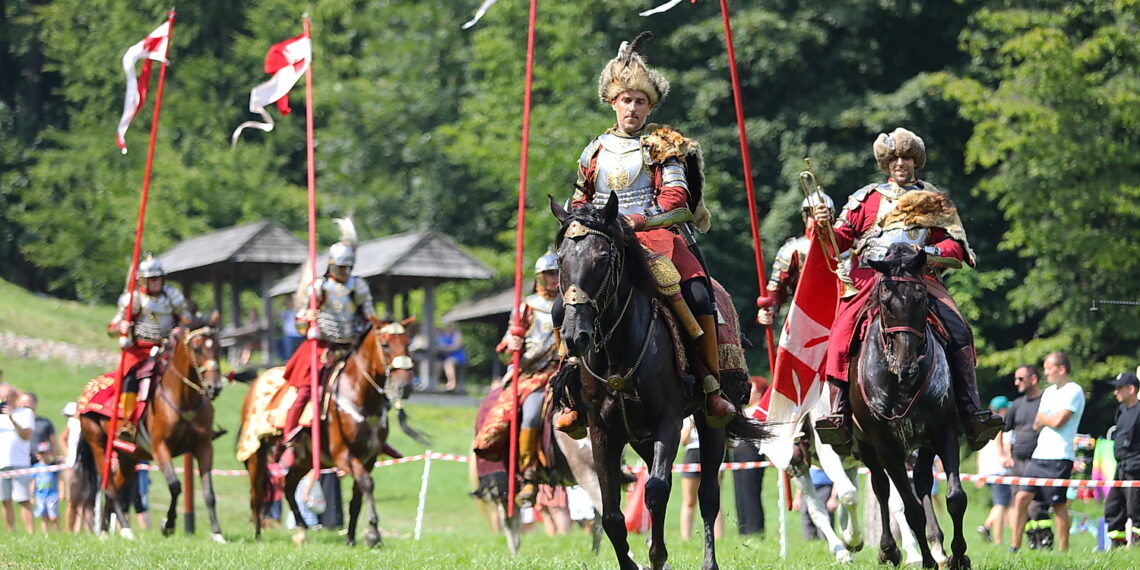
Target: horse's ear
880	265
610	212
215	319
377	322
557	209
918	262
408	322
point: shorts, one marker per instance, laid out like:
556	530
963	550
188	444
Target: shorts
1049	469
692	455
47	505
1001	494
16	488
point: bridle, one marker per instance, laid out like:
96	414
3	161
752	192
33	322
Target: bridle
607	291
886	331
200	370
401	362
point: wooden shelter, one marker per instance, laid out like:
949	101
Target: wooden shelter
256	252
397	264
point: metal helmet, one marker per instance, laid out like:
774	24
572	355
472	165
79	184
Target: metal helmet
150	267
342	253
548	262
813	199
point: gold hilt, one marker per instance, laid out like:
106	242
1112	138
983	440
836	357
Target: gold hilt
813	193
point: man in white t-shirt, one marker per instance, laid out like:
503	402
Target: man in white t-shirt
15	453
1062	405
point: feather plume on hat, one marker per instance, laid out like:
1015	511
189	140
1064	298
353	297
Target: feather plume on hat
628	72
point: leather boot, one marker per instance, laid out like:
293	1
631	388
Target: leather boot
718	410
570	422
127	428
528	466
979	424
834	429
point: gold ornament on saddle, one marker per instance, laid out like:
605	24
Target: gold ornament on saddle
813	193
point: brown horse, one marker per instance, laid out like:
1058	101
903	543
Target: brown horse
376	377
179	419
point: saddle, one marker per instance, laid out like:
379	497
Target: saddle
272	397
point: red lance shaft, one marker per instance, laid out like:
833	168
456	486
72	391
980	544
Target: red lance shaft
113	425
516	325
757	246
314	381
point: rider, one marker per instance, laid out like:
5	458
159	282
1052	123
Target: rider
537	363
864	226
156	309
344	305
788	263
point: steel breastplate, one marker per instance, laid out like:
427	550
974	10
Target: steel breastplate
538	345
337	317
875	246
155	315
621	168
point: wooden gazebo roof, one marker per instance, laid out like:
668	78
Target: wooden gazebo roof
494	309
403	262
245	250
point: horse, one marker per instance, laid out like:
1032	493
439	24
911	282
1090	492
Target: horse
179	419
902	400
376	377
627	382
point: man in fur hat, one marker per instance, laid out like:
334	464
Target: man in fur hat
906	209
657	175
344	304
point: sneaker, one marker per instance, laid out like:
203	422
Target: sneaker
1045	539
985	532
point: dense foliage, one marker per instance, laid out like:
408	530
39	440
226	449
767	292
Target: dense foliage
1029	110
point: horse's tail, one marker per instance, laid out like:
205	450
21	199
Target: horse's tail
748	429
417	435
87	474
246	376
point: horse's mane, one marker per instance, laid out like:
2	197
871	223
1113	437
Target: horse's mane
623	236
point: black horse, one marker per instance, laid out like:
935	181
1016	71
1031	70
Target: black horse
902	400
626	379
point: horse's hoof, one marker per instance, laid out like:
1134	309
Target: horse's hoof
349	541
844	556
218	538
893	556
127	534
167	528
856	547
372	538
299	537
959	562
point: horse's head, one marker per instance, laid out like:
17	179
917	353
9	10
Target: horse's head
393	356
592	244
200	344
900	298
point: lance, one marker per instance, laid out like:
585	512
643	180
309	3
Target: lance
516	327
128	317
314	380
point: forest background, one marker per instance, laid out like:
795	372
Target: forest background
1030	111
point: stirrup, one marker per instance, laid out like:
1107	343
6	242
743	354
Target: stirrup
570	423
718	410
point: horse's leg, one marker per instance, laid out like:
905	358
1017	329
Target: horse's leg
258	483
708	493
955	501
119	481
818	513
881	484
165	462
205	457
923	476
906	536
363	476
292	478
659	453
607	459
895	466
354	505
579	457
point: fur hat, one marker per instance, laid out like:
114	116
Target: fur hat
628	72
901	143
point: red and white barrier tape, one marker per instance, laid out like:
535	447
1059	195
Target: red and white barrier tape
679	468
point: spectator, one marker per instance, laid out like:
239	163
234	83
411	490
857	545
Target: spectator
47	488
1020	439
747	483
1124	504
449	348
553	504
1062	406
991	462
290	337
137	496
44	430
16	426
823	488
690	482
75	518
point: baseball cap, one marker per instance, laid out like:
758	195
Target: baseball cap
999	403
43	447
69	409
1126	379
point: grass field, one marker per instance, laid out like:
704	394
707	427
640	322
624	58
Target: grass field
454	532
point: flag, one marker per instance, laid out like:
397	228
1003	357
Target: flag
287	62
662	8
478	13
801	355
152	48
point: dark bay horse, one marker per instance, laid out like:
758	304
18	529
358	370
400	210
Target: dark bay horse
179	419
377	376
627	380
901	401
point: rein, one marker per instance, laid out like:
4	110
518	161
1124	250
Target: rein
198	370
924	350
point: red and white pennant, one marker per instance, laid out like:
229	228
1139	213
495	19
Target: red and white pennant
153	48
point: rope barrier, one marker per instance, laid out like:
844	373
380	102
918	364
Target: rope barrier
679	468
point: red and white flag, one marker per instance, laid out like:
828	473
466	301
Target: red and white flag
287	62
801	356
151	49
663	8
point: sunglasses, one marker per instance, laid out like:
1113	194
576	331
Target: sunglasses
1020	378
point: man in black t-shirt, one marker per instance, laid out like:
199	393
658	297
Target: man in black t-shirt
1123	504
1021	440
43	430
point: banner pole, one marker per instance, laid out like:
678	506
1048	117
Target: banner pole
314	379
113	424
516	324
